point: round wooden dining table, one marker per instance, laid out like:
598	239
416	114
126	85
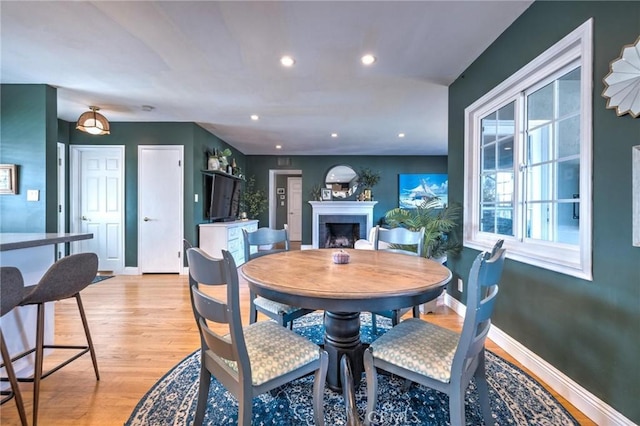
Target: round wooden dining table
372	281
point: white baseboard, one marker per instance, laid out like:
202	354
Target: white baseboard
306	247
130	270
593	407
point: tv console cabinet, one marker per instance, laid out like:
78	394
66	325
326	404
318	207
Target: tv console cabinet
215	237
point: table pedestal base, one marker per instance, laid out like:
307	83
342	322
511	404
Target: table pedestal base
342	337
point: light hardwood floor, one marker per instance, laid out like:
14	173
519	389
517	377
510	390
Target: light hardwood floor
141	326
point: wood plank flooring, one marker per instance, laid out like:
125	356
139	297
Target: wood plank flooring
141	326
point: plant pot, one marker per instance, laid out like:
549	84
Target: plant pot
367	194
213	163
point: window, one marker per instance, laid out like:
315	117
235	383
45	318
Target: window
528	161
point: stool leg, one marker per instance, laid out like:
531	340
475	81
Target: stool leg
6	359
37	373
88	334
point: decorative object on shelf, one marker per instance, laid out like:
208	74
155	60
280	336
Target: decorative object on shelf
368	178
340	257
8	179
622	84
93	122
315	193
439	224
253	200
213	163
217	160
326	194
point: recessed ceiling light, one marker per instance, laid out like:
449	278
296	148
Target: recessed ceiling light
334	135
287	61
254	117
401	135
278	146
368	59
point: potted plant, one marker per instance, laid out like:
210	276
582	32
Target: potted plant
316	193
438	222
254	200
368	179
218	159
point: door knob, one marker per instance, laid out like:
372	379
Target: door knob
146	219
85	218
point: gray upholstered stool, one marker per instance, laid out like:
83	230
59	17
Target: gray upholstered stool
11	285
64	280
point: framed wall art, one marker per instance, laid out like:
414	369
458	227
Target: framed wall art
8	179
414	188
326	194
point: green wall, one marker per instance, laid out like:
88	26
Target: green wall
315	167
28	136
196	142
588	330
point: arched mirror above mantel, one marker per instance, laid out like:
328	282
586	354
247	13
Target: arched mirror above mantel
343	182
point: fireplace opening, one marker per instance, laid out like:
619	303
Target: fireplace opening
341	235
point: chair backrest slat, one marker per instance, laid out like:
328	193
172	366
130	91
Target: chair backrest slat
207	270
263	237
401	237
482	292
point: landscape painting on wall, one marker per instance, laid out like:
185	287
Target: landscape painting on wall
413	189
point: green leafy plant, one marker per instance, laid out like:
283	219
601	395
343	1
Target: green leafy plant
439	223
368	178
254	200
316	193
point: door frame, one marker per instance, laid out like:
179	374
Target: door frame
62	203
74	207
273	196
180	261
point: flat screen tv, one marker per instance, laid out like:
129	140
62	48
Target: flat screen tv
223	201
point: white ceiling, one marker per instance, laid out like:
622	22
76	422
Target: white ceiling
216	63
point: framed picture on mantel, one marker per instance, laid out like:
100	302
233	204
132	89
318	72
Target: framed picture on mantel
326	194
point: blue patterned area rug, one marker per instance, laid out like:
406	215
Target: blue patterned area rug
516	398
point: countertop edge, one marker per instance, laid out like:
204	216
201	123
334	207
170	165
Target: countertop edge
27	240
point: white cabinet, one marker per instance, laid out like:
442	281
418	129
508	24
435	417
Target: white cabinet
215	237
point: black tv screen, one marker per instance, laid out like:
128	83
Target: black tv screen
224	197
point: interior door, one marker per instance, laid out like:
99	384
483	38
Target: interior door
97	198
294	207
160	220
62	210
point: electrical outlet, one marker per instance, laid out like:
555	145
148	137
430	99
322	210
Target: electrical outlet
460	285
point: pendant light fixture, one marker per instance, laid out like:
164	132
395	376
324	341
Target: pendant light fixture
93	122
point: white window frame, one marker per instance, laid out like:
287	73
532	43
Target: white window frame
575	260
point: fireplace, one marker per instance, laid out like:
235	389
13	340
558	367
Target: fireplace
339	224
341	231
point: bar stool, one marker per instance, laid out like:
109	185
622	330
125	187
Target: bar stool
63	280
11	285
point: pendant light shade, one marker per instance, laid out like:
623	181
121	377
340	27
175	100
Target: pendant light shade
93	122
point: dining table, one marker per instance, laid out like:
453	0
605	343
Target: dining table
371	281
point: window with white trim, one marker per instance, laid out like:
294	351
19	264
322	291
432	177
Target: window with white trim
528	161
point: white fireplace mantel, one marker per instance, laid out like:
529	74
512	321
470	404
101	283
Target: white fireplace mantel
321	208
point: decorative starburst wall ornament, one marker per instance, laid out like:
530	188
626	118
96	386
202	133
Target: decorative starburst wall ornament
622	84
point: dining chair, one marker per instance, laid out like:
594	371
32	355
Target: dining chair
11	285
284	314
436	357
252	360
65	279
403	241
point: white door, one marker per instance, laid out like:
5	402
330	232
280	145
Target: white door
294	208
97	202
160	183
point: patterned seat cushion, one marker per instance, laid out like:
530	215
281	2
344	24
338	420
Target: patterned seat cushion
418	346
274	350
275	307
